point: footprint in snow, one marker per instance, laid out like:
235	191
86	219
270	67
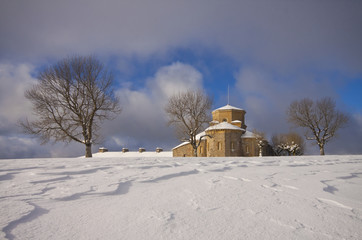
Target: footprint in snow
234	178
290	187
245	179
271	188
213	180
163	216
333	203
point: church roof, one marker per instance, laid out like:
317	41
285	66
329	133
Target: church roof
248	134
198	136
229	107
224	126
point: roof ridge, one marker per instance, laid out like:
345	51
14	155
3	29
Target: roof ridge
224	125
228	107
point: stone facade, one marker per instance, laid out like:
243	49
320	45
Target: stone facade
226	137
235	116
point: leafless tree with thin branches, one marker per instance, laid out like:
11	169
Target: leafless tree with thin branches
189	112
320	119
70	100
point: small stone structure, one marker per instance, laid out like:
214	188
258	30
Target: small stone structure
124	150
158	150
102	149
141	150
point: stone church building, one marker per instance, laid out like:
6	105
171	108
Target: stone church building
226	137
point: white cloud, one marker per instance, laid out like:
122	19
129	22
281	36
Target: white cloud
175	78
14	80
21	146
143	122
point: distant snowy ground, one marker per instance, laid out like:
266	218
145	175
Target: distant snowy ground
132	154
306	197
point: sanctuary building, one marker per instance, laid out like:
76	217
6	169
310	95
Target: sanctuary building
225	137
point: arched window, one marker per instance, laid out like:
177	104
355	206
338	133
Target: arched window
224	120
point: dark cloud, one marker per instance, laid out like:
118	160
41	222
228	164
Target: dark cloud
266	96
280	34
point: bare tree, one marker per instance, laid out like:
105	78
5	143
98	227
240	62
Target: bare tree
259	135
292	143
70	100
188	112
320	119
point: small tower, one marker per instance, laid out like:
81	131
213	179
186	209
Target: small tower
230	114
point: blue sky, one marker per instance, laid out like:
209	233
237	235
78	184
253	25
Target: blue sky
268	52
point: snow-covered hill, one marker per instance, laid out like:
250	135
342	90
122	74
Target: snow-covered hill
308	197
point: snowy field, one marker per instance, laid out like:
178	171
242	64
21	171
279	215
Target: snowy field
308	197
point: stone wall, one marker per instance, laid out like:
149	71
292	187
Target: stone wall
223	143
183	151
250	147
233	143
229	116
201	151
187	150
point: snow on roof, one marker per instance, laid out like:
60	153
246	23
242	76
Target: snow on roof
248	134
236	121
198	136
180	145
228	107
224	126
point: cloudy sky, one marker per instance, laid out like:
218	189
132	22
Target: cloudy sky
269	53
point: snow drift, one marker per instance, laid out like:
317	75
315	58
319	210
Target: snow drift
309	197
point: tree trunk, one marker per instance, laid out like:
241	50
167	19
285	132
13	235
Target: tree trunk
88	150
195	152
321	150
